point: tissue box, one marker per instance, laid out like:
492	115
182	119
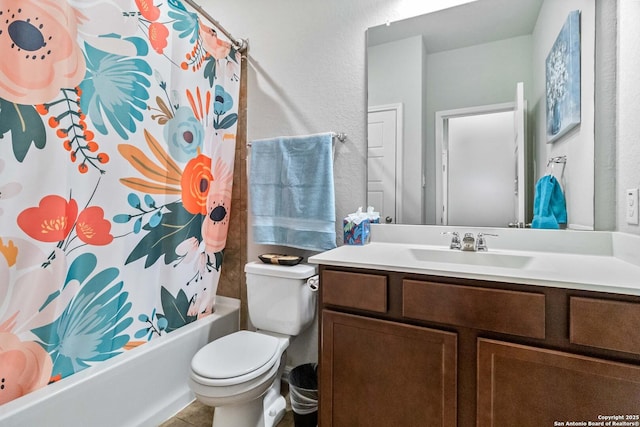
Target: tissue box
356	234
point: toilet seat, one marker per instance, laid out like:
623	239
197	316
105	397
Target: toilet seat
235	358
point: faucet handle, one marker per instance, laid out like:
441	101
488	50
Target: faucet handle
455	239
481	242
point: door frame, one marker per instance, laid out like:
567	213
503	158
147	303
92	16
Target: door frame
442	137
397	108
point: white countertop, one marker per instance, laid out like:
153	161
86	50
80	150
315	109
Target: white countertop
585	260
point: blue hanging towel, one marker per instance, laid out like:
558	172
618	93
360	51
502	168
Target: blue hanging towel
549	206
291	192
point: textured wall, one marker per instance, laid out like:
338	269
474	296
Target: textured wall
628	155
578	144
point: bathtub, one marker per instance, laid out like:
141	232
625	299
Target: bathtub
141	387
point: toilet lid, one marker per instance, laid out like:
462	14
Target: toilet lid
234	355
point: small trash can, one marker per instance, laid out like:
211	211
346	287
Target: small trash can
303	393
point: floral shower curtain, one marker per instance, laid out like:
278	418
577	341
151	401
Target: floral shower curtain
117	138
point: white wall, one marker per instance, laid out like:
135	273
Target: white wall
628	155
578	145
395	77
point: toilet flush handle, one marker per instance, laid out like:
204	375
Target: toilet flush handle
314	283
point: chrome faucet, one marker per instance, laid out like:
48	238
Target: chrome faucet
468	242
481	242
455	239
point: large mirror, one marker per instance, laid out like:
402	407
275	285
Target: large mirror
461	68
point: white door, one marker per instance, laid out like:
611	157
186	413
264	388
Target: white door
383	154
520	130
481	170
482	164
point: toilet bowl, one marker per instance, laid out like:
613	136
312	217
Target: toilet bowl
234	372
239	374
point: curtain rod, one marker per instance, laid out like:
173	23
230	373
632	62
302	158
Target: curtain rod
240	44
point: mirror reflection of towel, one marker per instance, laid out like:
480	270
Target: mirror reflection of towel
549	206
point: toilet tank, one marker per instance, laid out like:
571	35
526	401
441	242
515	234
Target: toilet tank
279	298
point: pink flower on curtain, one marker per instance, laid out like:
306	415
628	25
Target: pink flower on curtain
219	49
216	224
24	367
39	50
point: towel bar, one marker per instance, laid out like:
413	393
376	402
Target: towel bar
558	159
340	136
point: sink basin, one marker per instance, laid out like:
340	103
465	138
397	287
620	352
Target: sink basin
486	259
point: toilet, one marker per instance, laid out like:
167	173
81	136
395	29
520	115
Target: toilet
239	374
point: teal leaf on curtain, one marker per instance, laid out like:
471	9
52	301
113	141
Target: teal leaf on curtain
210	70
25	125
176	310
116	88
90	327
176	226
219	257
81	268
228	121
185	23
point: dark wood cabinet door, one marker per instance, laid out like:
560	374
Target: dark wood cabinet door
528	386
380	373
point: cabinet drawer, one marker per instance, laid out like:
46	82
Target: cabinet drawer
496	310
606	324
355	290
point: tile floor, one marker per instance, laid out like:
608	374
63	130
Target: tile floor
199	415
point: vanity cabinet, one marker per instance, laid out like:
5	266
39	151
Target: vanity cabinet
415	350
377	372
529	386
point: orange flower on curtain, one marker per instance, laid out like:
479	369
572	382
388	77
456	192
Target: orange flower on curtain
51	221
34	68
54	218
92	228
158	35
148	10
196	179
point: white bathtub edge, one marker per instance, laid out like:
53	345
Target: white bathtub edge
143	387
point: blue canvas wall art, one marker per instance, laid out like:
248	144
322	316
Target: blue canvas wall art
563	80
